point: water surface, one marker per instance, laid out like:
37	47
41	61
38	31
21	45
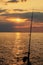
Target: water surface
14	46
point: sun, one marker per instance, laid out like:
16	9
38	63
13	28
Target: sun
16	20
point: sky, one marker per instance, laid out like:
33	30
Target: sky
19	7
11	9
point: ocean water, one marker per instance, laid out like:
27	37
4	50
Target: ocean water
15	45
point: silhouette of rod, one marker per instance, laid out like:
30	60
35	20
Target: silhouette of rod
30	39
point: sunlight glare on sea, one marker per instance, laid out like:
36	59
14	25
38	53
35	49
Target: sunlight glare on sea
14	46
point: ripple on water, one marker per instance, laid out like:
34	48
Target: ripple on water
13	48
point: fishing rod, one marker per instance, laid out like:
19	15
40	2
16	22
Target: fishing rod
28	58
30	38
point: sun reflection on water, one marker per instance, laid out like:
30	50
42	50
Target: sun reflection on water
17	35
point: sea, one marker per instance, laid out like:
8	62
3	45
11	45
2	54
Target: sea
14	46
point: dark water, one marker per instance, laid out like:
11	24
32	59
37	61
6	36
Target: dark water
14	46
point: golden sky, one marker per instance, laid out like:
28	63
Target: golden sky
25	6
16	15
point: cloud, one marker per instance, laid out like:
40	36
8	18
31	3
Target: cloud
7	26
37	16
2	10
13	1
17	0
11	11
12	27
19	10
23	0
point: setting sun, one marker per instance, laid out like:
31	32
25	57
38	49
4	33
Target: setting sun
16	20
